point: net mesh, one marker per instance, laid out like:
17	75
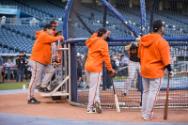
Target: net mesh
87	16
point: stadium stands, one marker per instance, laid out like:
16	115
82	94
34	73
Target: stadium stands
21	36
24	30
44	6
26	9
6	50
15	40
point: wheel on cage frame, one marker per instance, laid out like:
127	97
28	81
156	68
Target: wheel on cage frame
56	97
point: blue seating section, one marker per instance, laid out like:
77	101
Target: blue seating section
26	9
23	30
15	40
44	6
6	50
21	37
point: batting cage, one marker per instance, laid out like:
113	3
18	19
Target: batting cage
127	20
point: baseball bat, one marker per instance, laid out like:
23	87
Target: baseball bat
115	98
165	117
122	68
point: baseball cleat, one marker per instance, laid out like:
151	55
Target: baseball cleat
91	111
33	101
124	94
98	107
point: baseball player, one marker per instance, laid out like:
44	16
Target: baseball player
98	53
133	66
154	53
40	59
56	55
55	61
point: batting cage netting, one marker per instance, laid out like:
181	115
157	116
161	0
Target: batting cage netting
127	20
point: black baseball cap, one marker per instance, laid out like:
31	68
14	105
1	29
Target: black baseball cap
101	31
47	26
157	25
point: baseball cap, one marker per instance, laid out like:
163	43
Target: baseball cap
157	25
101	31
53	23
47	26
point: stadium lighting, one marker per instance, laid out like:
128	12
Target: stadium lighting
126	22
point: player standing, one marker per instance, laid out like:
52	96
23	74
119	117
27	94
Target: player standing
98	53
154	53
40	59
133	66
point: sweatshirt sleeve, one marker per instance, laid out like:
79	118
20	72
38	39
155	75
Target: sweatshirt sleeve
106	56
50	39
164	50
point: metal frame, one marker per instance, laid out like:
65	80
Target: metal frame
112	42
154	7
120	17
143	16
66	17
56	91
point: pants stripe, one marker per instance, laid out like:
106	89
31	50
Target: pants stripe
156	95
96	88
35	72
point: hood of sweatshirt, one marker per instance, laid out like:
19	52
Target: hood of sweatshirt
38	33
149	39
91	40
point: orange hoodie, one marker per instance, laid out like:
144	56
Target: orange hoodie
41	51
97	54
154	53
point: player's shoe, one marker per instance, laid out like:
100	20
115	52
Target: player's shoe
33	101
98	107
43	90
124	94
91	111
148	117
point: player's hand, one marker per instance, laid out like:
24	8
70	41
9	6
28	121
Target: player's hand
108	33
171	74
56	64
112	73
61	38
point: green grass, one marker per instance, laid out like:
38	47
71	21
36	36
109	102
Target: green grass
120	77
12	85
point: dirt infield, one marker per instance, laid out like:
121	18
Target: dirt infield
16	104
176	98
